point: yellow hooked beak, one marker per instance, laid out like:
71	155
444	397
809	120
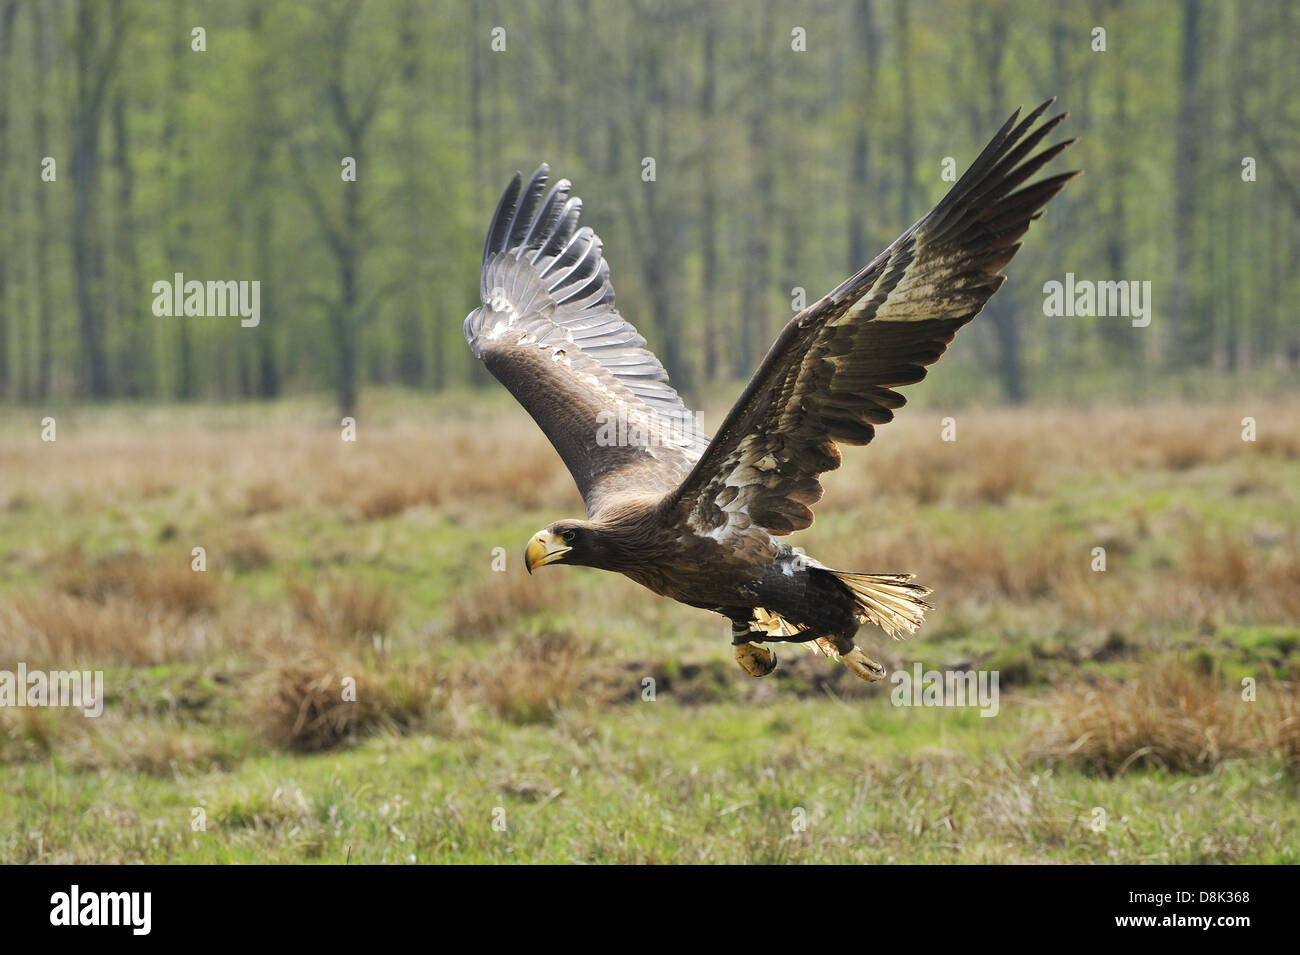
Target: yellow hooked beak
545	548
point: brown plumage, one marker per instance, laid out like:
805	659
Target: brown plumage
699	520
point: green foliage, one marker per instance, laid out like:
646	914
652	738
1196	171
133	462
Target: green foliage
775	169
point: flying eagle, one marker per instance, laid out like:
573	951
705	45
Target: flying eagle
701	520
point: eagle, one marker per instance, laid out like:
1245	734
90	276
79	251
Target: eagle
702	520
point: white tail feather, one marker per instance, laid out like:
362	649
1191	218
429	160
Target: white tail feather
890	601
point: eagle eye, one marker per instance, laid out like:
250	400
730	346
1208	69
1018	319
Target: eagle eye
568	536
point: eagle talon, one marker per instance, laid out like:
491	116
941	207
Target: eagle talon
755	660
863	667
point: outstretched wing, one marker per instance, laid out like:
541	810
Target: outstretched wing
830	375
548	330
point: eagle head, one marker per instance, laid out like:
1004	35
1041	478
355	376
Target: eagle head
574	542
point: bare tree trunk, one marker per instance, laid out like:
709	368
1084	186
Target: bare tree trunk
660	258
8	12
708	197
94	69
268	369
41	245
412	322
353	113
177	243
137	358
754	316
999	312
1186	171
867	33
907	141
478	39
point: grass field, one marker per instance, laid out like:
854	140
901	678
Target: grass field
350	679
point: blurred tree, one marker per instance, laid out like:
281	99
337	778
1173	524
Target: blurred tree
1187	172
8	13
41	58
96	50
773	169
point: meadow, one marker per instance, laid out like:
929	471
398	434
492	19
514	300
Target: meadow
353	677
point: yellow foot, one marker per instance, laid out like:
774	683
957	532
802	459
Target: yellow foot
755	660
862	667
857	661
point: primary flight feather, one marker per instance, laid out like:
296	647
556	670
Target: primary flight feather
700	520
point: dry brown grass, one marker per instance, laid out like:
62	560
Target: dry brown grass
393	497
1251	581
1182	450
1219	563
69	630
529	681
119	607
319	702
1284	730
402	467
242	550
59	630
1001	470
294	461
1170	716
266	496
1025	450
184	485
503	460
160	582
480	611
345	608
1284	443
981	563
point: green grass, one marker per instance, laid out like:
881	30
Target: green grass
719	766
659	782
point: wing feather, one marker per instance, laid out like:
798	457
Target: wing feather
549	331
830	377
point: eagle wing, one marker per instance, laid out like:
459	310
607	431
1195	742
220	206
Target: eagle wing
549	331
831	373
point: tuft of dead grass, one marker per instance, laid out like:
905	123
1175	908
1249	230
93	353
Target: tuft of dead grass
266	496
243	550
345	609
392	497
1001	471
1284	443
1182	450
166	583
1219	563
1170	716
484	609
66	629
979	561
529	682
1284	730
317	702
